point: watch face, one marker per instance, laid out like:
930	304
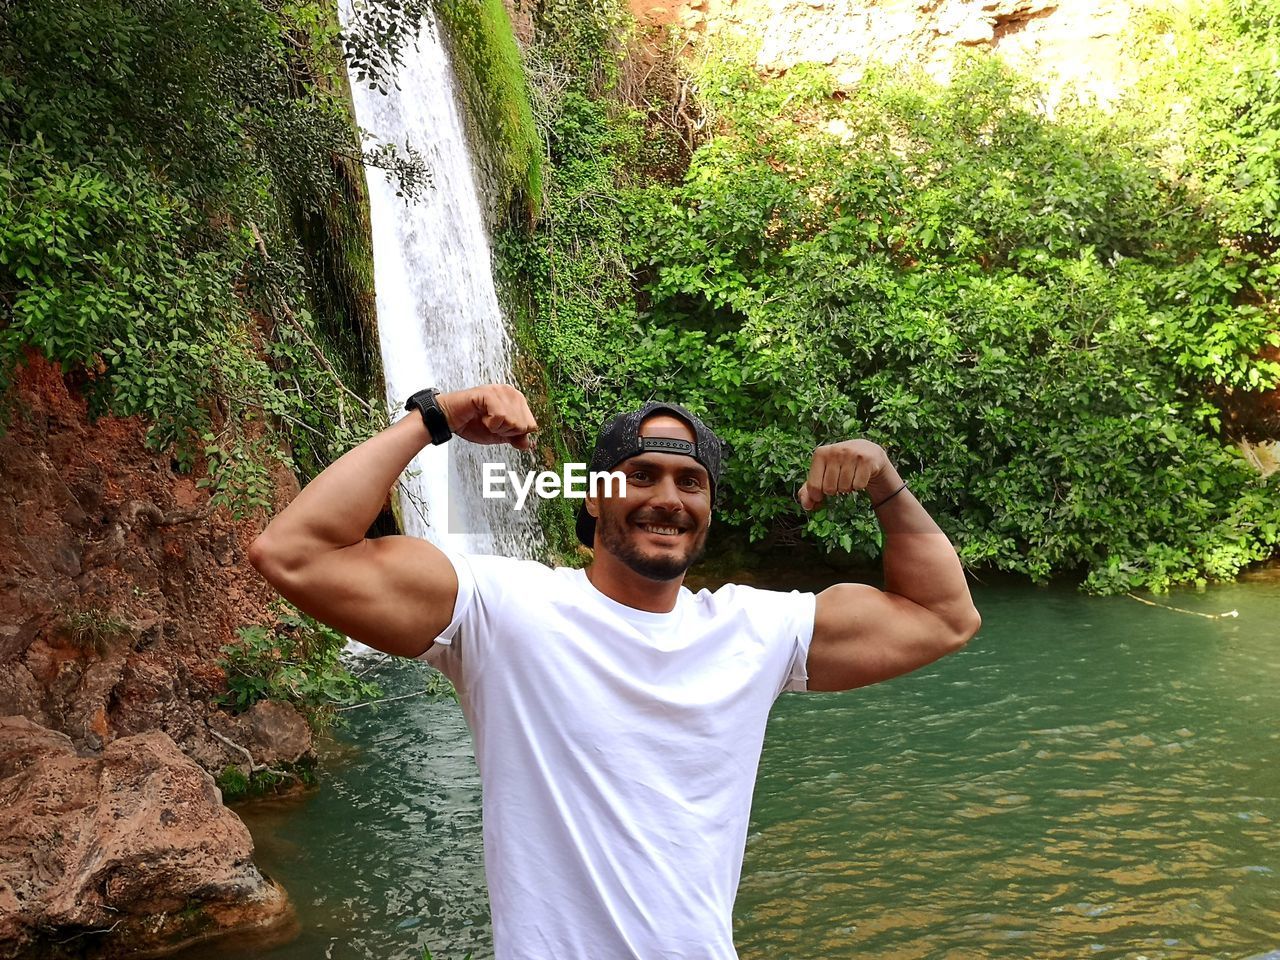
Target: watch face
422	399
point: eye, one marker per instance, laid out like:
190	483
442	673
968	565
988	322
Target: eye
691	482
638	476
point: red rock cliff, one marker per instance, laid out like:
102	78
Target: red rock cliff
118	587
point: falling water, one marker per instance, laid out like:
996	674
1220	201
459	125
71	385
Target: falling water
439	321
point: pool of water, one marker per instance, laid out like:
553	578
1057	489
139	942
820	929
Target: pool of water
1090	777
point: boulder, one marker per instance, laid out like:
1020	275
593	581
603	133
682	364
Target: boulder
280	733
129	850
270	735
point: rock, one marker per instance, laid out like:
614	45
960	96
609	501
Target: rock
1075	44
839	129
88	491
65	560
276	735
223	548
131	849
280	733
20	693
11	641
1263	456
23	743
151	695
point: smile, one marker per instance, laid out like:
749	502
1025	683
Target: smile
664	531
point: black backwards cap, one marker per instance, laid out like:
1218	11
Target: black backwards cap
620	440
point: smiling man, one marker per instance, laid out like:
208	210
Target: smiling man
618	718
659	529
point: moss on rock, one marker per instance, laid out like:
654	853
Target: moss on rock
488	65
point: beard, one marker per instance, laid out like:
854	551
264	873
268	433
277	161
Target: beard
615	537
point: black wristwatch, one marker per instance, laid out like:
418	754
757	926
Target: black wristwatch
424	401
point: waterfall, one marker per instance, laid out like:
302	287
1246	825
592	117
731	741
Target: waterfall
439	322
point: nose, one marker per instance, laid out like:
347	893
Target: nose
666	495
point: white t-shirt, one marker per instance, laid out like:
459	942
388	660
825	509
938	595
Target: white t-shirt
618	752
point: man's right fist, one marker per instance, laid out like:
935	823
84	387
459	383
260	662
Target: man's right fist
495	413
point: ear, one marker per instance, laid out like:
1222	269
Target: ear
593	506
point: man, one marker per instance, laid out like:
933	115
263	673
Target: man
618	719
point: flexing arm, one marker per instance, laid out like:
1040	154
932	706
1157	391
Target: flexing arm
393	593
862	635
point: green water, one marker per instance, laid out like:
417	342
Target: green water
1088	778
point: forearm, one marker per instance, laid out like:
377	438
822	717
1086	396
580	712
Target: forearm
919	561
337	508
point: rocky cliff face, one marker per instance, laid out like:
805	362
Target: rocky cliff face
118	584
1078	42
118	588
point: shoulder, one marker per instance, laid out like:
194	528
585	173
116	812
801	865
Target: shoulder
742	593
490	574
757	603
494	563
492	587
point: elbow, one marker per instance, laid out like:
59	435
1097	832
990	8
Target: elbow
260	553
966	629
265	557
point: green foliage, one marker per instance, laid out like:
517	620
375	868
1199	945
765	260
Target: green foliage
579	284
493	78
571	265
161	160
233	783
563	278
374	45
1213	92
578	44
1026	312
298	660
1022	311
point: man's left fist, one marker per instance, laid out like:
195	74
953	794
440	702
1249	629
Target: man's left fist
842	468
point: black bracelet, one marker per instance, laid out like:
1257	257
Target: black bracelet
877	506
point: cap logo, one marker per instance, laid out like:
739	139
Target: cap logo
667	445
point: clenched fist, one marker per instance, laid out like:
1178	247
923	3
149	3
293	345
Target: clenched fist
844	467
496	413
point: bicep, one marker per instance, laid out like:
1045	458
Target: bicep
862	635
395	594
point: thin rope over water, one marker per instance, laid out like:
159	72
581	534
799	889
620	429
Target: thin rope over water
1194	613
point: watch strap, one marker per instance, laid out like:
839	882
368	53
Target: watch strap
424	401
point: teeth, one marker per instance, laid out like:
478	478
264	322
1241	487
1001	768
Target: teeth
669	531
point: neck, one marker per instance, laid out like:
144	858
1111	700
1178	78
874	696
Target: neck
619	582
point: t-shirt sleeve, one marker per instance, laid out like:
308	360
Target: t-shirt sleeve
465	600
797	611
479	580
